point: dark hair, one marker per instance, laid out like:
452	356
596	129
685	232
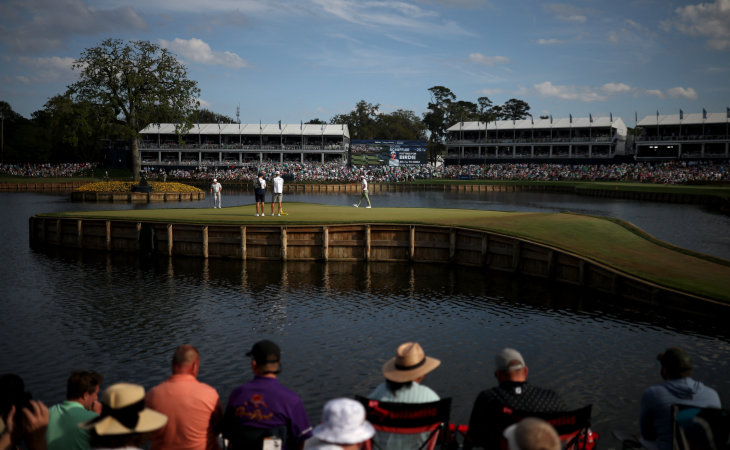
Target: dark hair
82	382
13	393
394	386
185	354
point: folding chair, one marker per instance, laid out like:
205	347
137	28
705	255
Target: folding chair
696	428
573	427
408	418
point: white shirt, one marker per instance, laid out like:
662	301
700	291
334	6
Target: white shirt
216	187
262	183
278	185
364	184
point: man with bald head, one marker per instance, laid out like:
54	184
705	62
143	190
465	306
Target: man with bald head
192	408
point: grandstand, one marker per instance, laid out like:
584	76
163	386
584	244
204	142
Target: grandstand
683	136
213	144
543	139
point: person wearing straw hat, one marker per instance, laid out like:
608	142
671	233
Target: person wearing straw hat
404	374
124	421
343	427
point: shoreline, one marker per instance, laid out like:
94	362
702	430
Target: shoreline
606	255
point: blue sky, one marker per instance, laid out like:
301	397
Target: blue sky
303	59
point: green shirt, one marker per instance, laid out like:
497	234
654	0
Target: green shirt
63	430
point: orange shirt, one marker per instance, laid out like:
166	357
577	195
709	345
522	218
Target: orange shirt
193	414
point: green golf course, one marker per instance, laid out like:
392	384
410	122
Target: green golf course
609	242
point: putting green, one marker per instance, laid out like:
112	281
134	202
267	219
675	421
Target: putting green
611	242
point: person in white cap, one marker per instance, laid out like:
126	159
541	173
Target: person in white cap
215	190
513	392
278	192
343	427
404	374
532	433
124	421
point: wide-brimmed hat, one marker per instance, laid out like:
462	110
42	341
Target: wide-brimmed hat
343	422
123	412
410	363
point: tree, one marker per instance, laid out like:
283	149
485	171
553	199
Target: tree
437	118
139	82
401	124
362	121
515	109
208	116
316	121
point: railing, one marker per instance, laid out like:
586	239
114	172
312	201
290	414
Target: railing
522	140
694	137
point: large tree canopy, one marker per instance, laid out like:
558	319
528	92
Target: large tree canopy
139	82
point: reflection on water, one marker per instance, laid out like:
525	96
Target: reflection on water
336	323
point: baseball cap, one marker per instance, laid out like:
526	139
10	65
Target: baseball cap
277	172
509	359
675	358
265	352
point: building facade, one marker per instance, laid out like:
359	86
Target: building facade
684	136
564	138
237	144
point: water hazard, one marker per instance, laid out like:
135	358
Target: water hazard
338	322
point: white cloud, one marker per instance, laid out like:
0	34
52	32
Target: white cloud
490	91
391	15
655	92
616	88
680	92
488	60
550	41
566	12
199	51
711	20
47	70
582	93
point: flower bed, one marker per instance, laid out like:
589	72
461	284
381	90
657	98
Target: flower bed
126	186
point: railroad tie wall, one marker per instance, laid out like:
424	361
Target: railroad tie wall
356	242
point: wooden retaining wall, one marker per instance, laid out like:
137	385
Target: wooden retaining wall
136	197
359	242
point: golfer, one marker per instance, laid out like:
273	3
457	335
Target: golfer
215	190
363	192
278	192
259	190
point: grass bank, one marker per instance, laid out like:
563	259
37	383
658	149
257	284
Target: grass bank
611	242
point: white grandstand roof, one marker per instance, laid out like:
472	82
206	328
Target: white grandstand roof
296	129
563	122
688	119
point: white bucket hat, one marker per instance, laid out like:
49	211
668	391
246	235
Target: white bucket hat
123	412
343	422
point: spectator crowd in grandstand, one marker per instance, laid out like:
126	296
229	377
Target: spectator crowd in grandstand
673	172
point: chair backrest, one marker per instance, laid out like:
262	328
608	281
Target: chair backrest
696	428
409	418
573	427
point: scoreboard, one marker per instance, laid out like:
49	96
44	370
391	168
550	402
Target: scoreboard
394	153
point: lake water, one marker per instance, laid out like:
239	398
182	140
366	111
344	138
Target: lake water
337	323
